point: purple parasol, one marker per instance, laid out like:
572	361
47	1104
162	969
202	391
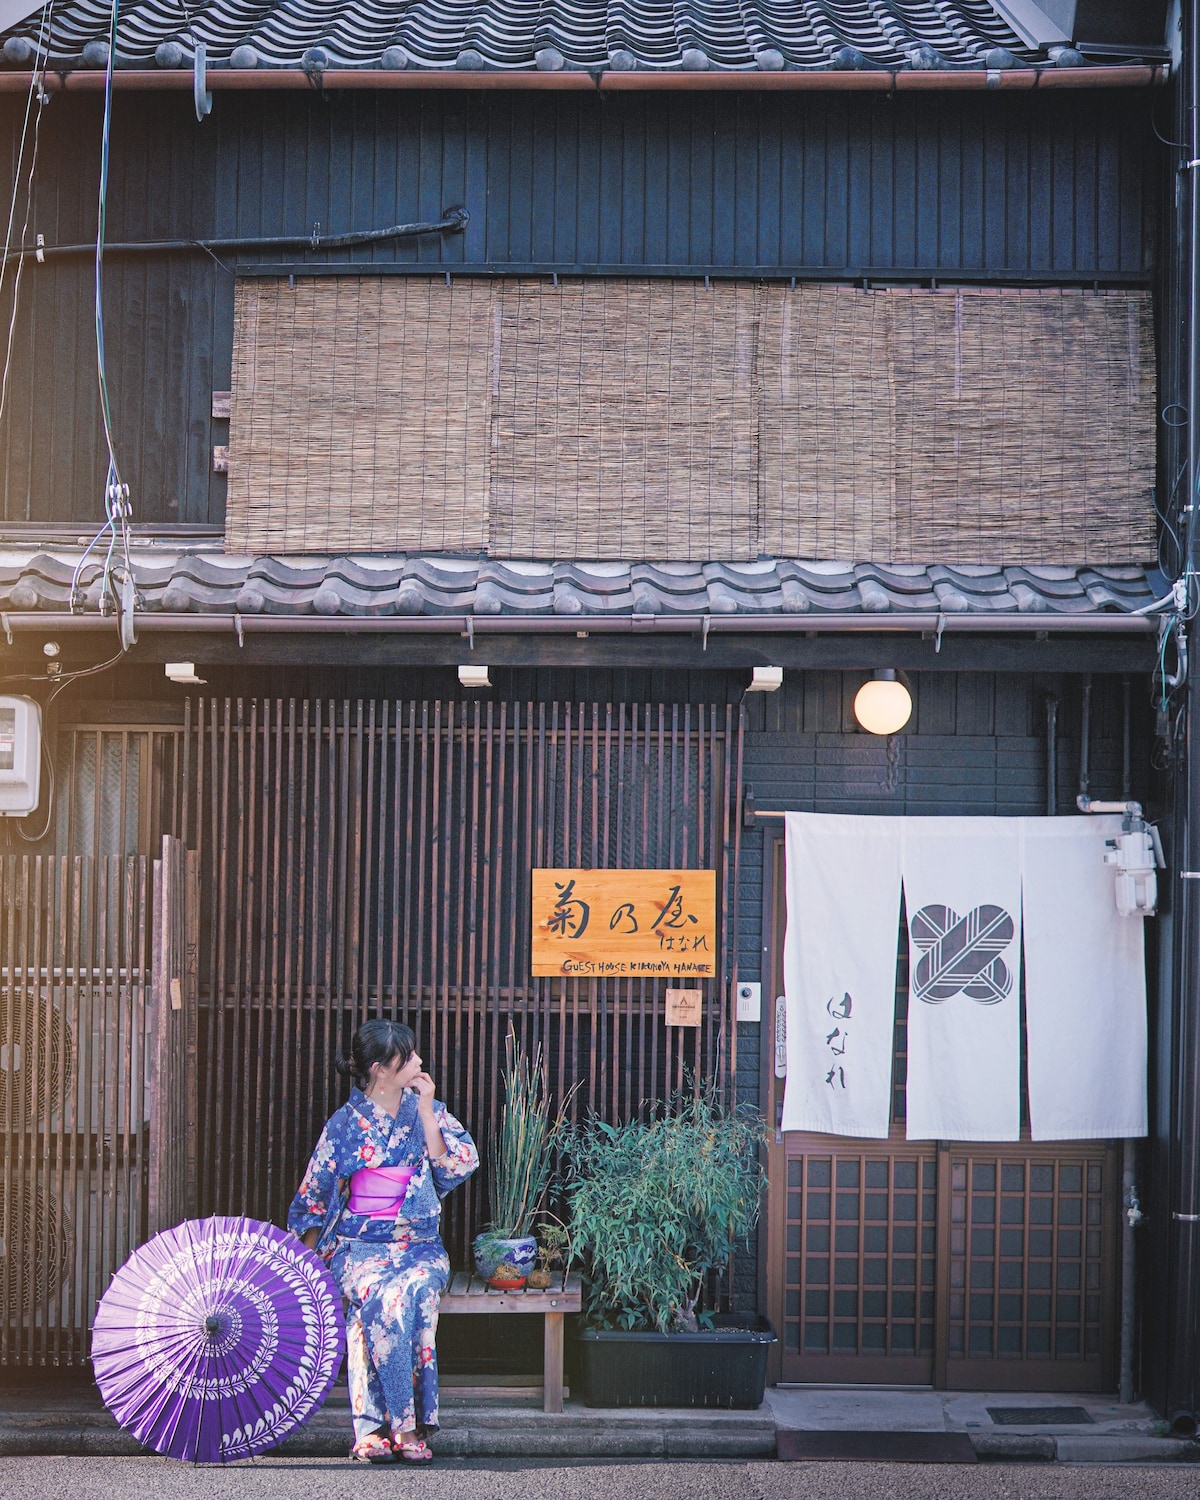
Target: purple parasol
217	1338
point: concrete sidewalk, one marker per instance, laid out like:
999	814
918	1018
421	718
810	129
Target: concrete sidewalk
70	1419
1113	1433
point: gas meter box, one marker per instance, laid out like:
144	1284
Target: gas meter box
20	756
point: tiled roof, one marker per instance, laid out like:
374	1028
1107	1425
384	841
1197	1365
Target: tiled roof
547	35
210	582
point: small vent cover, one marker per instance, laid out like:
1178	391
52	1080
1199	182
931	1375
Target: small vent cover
34	1248
37	1058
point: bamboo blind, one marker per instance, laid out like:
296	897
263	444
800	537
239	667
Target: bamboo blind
827	419
1029	438
625	421
668	420
361	413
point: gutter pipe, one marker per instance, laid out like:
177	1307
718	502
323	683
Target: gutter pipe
159	80
1051	755
705	625
1183	1228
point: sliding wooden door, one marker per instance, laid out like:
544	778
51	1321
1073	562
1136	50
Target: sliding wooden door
962	1266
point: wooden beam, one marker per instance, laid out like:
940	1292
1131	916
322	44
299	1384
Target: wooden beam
725	653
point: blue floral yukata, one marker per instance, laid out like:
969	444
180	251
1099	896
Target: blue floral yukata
392	1271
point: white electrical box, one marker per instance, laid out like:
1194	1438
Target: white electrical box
20	756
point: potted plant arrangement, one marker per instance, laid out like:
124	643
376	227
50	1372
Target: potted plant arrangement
519	1166
658	1204
554	1252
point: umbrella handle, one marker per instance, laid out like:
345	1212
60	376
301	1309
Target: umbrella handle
212	1326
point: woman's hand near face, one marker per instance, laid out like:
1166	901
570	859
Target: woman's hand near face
423	1086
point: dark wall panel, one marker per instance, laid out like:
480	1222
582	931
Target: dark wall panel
992	187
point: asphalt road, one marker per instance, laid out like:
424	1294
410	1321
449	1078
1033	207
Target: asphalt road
451	1479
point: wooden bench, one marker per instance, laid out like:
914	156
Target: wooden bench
471	1294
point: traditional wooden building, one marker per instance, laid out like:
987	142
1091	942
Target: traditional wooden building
485	394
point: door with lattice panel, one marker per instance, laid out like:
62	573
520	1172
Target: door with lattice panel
962	1266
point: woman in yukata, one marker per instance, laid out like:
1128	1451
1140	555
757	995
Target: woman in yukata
369	1204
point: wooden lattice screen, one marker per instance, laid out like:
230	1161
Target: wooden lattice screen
372	858
97	1074
633	419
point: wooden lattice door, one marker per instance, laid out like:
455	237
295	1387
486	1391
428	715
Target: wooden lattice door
938	1263
362	858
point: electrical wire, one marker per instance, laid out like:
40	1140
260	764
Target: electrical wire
36	838
101	225
64	679
1164	515
117	509
63	682
1174	145
36	88
1163	695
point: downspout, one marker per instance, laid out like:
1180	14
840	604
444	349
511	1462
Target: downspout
1183	1290
1131	1217
1051	755
1085	737
1130	1207
1183	1398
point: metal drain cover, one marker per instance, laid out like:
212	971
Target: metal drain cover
1039	1416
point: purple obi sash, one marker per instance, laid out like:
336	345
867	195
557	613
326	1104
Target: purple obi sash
377	1192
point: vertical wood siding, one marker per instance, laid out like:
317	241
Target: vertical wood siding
999	188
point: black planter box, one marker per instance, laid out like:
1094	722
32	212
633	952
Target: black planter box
723	1366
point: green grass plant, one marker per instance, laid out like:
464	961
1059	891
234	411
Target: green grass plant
520	1154
659	1202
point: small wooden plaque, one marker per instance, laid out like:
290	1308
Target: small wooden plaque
683	1007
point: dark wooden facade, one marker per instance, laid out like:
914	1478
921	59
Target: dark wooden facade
1053	189
304	782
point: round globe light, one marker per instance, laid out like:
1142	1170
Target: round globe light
883	705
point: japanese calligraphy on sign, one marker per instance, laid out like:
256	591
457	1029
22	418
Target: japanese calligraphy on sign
614	924
842	1013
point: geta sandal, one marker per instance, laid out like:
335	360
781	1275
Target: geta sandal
374	1449
414	1451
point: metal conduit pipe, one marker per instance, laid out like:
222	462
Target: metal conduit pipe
1183	1289
454	221
1131	1215
1129	1200
1085	741
1051	755
1183	1292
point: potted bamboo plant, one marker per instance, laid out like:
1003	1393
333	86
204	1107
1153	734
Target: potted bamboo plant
657	1205
520	1154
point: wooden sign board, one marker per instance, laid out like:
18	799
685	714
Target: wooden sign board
684	1007
617	924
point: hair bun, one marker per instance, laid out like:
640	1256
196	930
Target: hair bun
375	1041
